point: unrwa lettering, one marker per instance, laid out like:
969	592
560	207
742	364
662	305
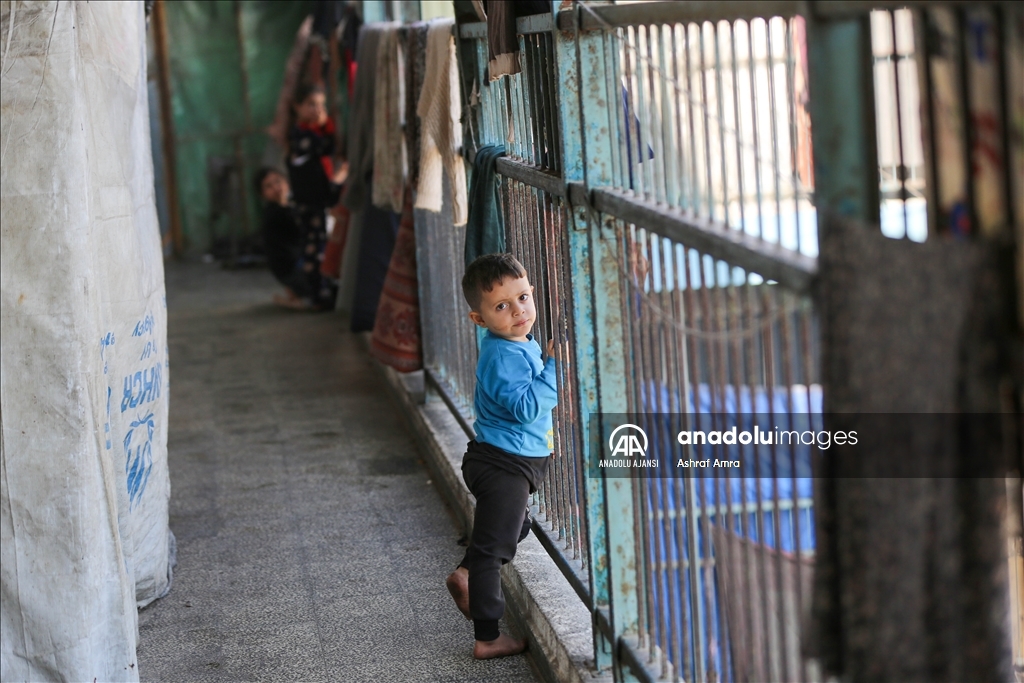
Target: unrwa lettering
144	326
142	387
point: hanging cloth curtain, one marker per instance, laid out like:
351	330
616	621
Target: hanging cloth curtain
440	108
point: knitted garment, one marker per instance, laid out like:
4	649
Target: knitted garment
390	163
440	109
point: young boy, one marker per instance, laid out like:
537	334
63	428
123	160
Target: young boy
515	392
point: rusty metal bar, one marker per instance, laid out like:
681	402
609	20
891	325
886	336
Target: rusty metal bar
531	175
771	261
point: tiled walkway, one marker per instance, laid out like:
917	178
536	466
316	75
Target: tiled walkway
311	543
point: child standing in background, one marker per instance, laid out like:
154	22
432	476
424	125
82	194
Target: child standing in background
315	187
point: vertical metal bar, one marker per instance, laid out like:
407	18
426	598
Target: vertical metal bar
773	119
522	143
643	110
770	305
533	93
677	374
696	617
586	154
658	167
1004	19
631	115
682	148
927	108
669	100
794	137
520	87
723	489
551	145
742	380
967	130
738	121
723	159
511	137
710	197
787	347
755	126
901	168
695	202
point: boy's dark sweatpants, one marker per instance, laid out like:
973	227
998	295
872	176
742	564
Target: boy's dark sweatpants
502	483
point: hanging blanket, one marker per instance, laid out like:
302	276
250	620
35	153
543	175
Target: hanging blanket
396	334
415	65
389	154
360	125
440	108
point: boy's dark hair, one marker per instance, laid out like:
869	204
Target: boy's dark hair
261	175
487	271
303	92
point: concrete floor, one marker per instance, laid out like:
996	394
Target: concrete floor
311	543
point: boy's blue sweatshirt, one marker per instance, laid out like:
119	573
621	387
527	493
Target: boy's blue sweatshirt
515	393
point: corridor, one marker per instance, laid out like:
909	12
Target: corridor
311	544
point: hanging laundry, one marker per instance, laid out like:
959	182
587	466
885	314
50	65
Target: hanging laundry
415	48
396	331
390	162
502	39
440	108
360	125
327	14
376	245
485	231
278	130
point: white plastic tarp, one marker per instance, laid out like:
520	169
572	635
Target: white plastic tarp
84	487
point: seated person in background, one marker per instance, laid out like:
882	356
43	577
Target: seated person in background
282	239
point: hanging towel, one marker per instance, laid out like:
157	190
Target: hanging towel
485	231
440	108
389	152
360	125
396	331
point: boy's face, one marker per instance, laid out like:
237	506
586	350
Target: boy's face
274	188
313	109
507	310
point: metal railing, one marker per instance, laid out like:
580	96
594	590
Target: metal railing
727	559
713	121
449	350
536	227
659	186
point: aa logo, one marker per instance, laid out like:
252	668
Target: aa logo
629	441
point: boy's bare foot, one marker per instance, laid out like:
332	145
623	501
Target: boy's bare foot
458	586
502	646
